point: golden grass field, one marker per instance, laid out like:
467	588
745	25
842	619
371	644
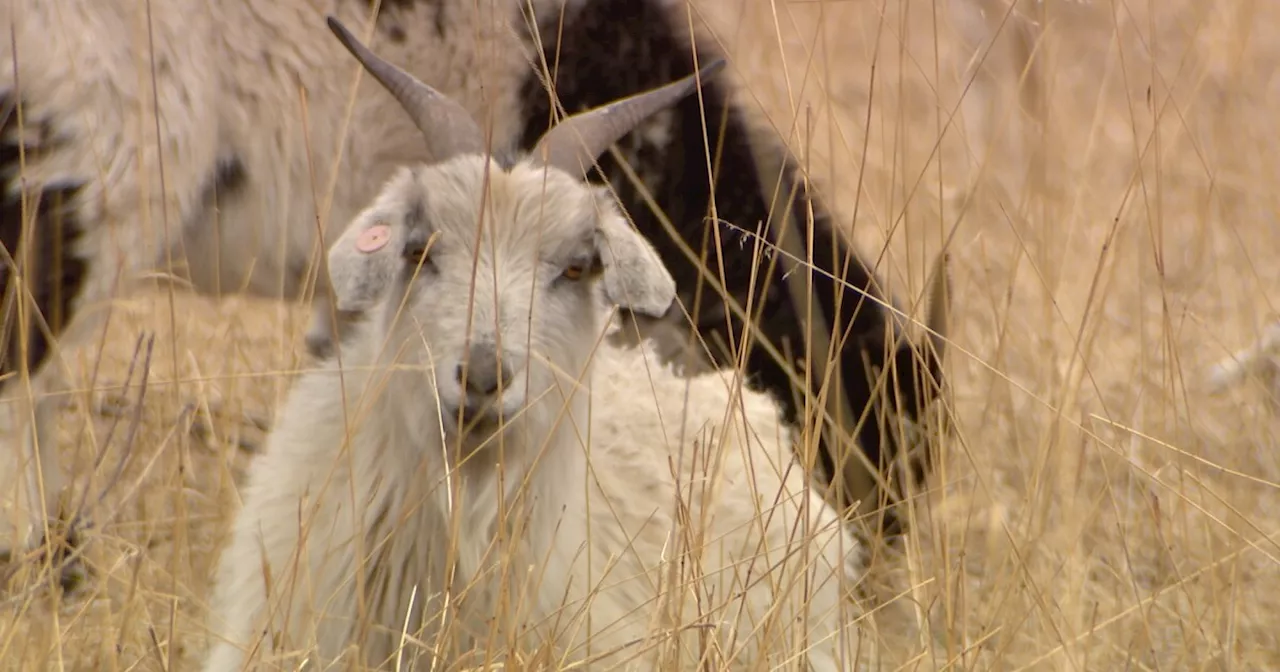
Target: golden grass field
1097	507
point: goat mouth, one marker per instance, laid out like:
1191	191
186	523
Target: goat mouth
472	418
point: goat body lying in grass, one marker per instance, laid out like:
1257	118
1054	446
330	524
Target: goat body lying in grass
265	157
462	477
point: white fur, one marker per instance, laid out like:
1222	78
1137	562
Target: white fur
230	79
1259	357
611	506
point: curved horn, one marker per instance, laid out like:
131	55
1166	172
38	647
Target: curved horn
448	128
574	143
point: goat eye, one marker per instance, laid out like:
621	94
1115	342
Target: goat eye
415	253
574	272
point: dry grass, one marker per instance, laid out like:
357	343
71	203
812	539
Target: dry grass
1097	506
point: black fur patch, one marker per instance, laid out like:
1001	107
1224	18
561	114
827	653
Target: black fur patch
56	272
615	48
229	177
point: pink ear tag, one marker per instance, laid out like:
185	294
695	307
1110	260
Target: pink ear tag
373	238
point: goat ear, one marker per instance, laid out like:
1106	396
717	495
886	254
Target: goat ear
634	276
363	262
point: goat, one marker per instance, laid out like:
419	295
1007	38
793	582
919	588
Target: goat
464	435
79	153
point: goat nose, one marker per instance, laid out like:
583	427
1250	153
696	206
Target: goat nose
481	373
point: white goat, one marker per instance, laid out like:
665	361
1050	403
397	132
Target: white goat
449	478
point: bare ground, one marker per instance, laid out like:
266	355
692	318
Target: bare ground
1097	506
